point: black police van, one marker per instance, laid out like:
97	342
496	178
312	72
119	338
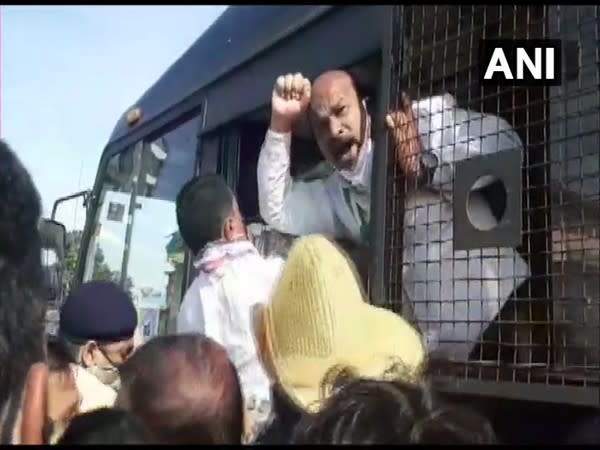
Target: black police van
209	111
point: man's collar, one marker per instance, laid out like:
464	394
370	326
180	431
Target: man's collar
215	254
357	176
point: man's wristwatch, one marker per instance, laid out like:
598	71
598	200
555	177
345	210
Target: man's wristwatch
428	162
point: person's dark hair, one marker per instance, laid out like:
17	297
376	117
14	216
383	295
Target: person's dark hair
372	412
362	412
286	416
58	355
453	425
22	309
203	205
105	426
185	389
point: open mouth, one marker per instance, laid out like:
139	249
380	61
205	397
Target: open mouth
342	149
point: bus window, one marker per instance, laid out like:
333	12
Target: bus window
209	155
136	242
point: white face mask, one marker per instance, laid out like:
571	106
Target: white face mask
108	375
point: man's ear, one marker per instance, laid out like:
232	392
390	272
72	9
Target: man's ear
35	406
87	353
228	229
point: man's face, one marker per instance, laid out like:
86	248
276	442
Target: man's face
336	119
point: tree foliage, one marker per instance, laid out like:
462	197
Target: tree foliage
102	270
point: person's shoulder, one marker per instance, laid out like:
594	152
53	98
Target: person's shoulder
248	269
270	265
196	294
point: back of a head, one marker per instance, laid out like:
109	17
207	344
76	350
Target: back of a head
58	356
445	422
203	205
20	210
453	425
21	307
377	412
106	426
363	412
185	389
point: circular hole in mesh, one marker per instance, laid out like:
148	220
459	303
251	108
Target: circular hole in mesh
486	194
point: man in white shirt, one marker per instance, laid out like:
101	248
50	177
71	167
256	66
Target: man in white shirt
446	287
232	278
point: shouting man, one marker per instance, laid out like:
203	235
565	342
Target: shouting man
445	287
339	205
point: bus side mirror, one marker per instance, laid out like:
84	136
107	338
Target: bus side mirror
53	237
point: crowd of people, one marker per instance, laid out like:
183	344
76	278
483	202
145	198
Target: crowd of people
268	350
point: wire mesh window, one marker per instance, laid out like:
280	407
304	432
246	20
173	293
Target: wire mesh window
524	313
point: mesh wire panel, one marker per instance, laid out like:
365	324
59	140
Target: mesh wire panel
476	306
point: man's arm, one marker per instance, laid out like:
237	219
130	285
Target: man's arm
290	207
432	134
297	208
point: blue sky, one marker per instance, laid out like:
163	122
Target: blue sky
69	72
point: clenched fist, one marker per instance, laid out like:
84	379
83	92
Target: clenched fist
407	143
290	98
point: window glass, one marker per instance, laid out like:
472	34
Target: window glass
135	241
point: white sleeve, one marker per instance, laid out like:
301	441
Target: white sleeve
301	207
451	134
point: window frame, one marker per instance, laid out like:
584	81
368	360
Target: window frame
98	194
213	152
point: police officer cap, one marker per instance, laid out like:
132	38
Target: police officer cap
99	311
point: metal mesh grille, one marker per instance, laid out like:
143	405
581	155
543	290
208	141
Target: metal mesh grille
547	330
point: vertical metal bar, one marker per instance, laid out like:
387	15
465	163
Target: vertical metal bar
377	230
132	208
188	259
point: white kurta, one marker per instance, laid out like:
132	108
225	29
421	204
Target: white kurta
446	287
220	305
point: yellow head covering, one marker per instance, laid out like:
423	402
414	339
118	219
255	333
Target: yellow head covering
318	320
